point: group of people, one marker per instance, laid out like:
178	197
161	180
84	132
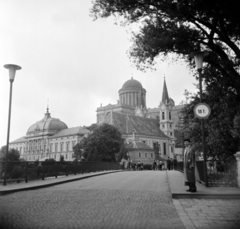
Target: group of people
172	163
158	165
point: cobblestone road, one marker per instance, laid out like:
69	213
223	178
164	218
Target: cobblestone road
123	200
206	213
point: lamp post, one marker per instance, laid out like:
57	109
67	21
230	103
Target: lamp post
12	71
199	57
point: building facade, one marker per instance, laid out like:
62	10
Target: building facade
48	138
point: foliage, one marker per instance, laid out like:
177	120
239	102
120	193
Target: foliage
122	153
13	154
222	126
61	158
78	152
181	27
92	127
102	144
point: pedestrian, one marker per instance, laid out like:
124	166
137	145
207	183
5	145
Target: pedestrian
154	165
171	163
158	165
175	163
189	167
168	163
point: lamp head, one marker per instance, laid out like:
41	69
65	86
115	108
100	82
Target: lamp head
199	57
12	70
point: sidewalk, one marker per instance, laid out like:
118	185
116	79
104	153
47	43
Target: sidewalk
178	190
48	181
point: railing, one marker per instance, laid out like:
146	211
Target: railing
222	173
219	173
33	170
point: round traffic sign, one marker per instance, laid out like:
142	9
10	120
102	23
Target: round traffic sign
202	110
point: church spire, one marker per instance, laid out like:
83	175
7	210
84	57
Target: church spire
165	97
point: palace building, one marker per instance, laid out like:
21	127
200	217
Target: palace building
48	138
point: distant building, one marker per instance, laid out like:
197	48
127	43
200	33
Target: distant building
152	126
48	138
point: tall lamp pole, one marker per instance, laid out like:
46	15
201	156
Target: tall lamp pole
199	57
12	71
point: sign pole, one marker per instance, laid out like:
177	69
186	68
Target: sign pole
203	135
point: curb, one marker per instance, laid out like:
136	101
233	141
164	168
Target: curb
183	195
38	186
176	195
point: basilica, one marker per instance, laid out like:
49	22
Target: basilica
154	127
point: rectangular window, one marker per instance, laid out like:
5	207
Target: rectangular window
151	155
67	146
139	155
56	146
66	156
61	146
145	154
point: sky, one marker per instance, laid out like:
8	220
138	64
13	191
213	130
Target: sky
71	64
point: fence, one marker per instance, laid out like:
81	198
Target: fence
32	170
219	172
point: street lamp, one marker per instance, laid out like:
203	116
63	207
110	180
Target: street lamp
12	71
199	57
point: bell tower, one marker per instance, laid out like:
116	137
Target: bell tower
165	113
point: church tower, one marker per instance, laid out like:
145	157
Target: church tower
165	113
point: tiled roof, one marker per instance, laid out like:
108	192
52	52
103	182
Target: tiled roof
127	123
139	145
71	131
19	140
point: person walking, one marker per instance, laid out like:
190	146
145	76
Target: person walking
189	167
168	163
175	163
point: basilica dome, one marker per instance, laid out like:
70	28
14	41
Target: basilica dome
132	83
47	125
132	94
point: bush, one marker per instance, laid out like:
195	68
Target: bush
17	172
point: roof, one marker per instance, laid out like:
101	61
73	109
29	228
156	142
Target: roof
139	145
46	124
19	140
71	131
165	97
127	123
132	83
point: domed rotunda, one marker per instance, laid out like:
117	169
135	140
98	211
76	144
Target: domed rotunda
133	94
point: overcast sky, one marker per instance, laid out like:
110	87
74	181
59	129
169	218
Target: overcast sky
71	61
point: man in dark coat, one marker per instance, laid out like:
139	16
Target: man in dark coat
189	167
168	163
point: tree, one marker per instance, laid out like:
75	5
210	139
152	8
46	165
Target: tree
181	27
13	154
221	127
78	152
102	144
122	153
92	127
